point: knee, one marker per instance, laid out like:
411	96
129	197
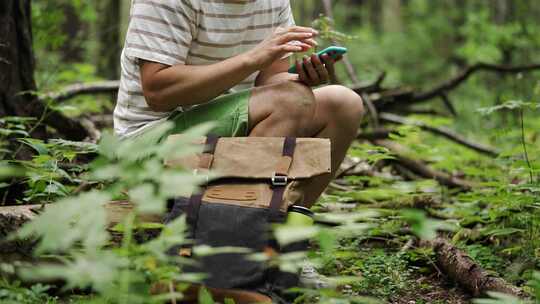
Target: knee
344	103
295	101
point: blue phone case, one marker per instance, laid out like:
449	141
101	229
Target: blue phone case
333	51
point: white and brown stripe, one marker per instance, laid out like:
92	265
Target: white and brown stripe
192	32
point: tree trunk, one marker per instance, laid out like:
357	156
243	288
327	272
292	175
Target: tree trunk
17	85
109	23
392	16
16	56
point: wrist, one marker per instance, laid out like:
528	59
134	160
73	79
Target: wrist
250	61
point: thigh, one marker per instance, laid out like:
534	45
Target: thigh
284	98
261	104
229	113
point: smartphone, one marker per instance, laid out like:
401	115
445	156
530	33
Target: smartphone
333	51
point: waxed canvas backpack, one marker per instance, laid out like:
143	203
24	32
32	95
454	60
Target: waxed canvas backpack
259	179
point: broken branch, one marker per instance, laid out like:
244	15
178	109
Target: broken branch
447	133
418	167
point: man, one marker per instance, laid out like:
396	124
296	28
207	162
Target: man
226	60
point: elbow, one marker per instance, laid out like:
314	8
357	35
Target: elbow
155	87
156	101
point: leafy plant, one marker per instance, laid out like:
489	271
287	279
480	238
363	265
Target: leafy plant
75	228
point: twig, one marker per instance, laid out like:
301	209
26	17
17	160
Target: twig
525	145
448	104
465	74
422	169
447	133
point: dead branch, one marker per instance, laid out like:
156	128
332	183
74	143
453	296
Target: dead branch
102	87
448	104
457	265
447	133
468	72
93	133
418	167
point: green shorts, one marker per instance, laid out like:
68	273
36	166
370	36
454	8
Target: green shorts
229	112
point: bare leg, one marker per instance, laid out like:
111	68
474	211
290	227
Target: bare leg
337	116
283	109
292	109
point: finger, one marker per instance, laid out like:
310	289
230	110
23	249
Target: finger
329	64
288	48
301	44
299	29
319	67
311	42
301	72
294	36
311	72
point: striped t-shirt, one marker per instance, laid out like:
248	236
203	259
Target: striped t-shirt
191	32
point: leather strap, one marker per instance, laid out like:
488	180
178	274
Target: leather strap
282	170
195	200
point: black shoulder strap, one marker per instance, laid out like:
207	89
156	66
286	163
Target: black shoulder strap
280	178
205	163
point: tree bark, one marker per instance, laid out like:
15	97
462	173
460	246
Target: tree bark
460	267
17	85
109	23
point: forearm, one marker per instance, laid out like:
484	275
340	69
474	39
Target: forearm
184	85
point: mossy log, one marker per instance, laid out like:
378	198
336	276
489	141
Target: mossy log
461	268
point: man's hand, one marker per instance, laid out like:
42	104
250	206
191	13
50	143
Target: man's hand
314	72
278	45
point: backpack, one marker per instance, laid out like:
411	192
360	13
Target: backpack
260	178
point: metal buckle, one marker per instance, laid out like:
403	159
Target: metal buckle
279	180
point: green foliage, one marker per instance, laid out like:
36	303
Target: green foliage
15	293
384	275
498	221
75	228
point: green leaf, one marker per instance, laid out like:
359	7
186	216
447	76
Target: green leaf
36	144
97	270
80	218
205	297
289	234
7	171
204	250
146	199
422	226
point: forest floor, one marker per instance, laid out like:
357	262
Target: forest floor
495	223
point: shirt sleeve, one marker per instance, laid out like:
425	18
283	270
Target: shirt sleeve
286	18
161	31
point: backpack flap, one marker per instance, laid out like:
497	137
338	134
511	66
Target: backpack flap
259	157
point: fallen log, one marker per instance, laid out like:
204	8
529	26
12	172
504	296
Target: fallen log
74	90
460	267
